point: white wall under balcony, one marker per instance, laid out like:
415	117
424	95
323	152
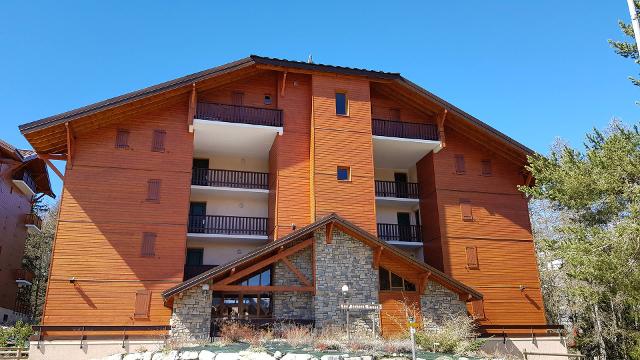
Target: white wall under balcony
387	174
236	204
220	253
234	162
388	214
218	137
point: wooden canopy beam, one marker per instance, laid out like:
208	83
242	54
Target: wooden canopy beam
376	257
303	279
441	120
261	289
193	101
268	261
423	282
284	81
61	157
329	233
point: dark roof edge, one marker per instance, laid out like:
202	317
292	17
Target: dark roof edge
197	280
131	96
27	159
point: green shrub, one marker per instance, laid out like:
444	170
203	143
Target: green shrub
456	335
17	335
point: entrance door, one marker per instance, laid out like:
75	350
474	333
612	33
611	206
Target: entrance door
199	172
197	217
401	185
194	257
404	226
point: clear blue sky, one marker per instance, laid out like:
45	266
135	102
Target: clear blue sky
535	70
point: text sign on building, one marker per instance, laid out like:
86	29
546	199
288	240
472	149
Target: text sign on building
360	306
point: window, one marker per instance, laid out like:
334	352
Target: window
460	164
234	306
158	140
237	98
267	99
122	139
262	278
486	167
342	106
472	258
393	282
344	173
153	190
465	210
148	244
143	299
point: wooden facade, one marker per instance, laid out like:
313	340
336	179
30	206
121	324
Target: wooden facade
97	265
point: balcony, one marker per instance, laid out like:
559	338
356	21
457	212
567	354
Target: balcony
33	222
227	227
400	234
230	179
397	189
25	183
400	145
23	277
195	270
239	114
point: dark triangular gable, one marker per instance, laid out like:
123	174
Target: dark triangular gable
330	221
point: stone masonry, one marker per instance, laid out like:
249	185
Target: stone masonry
345	261
293	305
191	317
439	304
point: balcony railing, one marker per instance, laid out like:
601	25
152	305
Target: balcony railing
227	225
239	114
397	189
33	219
230	178
195	270
401	129
23	275
395	232
27	180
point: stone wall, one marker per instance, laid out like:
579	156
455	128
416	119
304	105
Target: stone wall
191	316
344	261
439	304
293	305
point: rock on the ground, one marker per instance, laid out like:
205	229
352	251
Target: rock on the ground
277	355
227	356
292	356
250	355
188	355
330	357
206	355
171	355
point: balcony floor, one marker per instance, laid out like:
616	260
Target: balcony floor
219	137
229	192
222	238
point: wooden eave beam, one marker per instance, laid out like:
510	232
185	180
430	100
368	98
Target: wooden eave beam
70	145
261	289
316	72
329	233
284	82
53	156
193	100
53	167
422	285
303	279
376	257
268	261
441	135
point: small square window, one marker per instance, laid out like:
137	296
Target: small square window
342	107
344	173
267	99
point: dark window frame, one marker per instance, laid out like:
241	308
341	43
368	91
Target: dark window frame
347	169
158	140
122	139
345	106
407	286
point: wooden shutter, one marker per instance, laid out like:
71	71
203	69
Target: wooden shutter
153	190
237	98
486	167
460	164
143	300
122	139
472	258
148	244
465	210
158	140
477	307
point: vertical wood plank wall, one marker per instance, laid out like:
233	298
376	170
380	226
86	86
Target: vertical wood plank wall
104	213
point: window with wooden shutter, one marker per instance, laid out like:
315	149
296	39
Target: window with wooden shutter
153	190
465	210
237	98
148	244
472	258
486	167
122	139
143	300
477	307
460	164
158	140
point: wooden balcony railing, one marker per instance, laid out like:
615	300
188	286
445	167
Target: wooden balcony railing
404	129
395	232
230	178
227	225
33	219
27	180
195	270
397	189
23	274
239	114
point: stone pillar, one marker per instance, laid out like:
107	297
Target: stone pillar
439	304
344	261
191	317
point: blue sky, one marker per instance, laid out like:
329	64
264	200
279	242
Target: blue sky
534	70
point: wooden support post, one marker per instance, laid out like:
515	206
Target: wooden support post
193	101
70	145
303	279
329	233
441	128
53	167
284	82
423	282
528	181
376	257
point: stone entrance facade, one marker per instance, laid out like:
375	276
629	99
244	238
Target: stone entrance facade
345	261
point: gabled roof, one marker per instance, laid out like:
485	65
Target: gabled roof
306	232
29	160
184	83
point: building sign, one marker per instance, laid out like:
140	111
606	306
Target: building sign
360	306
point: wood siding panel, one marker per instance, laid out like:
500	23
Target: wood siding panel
254	89
395	307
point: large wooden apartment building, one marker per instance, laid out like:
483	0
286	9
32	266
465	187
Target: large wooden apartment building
259	187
